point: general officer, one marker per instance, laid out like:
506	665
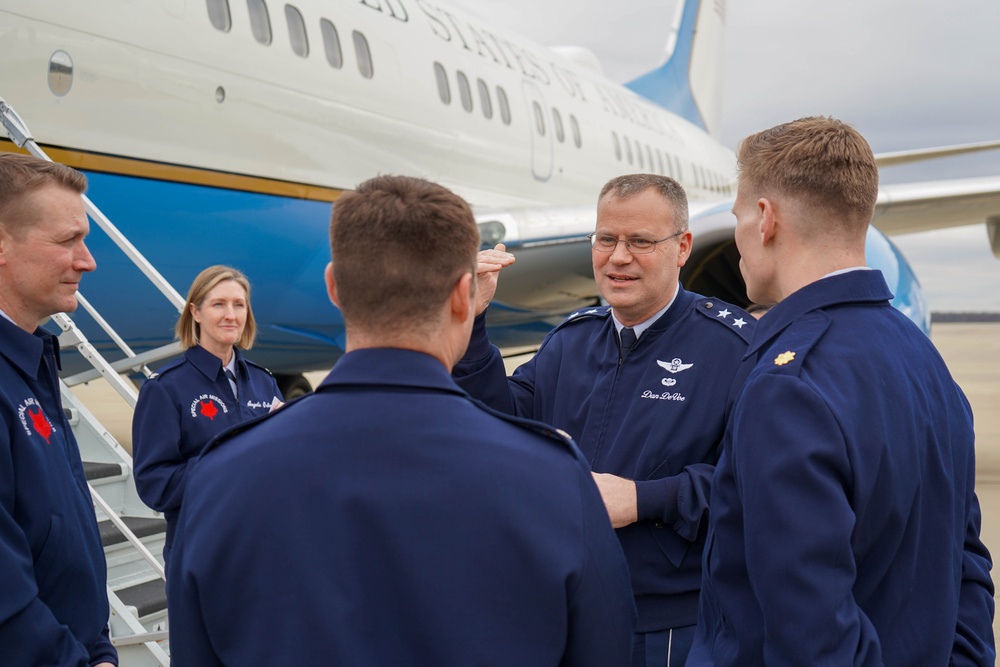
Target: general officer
197	397
53	578
388	519
845	526
642	386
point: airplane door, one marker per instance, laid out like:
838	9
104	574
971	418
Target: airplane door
540	131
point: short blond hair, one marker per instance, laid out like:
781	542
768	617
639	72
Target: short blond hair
188	330
21	175
822	161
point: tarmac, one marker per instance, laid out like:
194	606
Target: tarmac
971	350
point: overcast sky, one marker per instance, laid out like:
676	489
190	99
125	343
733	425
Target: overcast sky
907	73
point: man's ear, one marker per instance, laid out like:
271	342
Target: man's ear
686	242
4	245
462	299
768	221
331	284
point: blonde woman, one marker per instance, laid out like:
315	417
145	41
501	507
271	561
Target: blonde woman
193	399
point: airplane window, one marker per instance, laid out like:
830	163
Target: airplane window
504	105
484	98
638	154
297	31
331	44
618	146
464	91
628	149
444	90
539	118
558	125
575	127
218	14
363	54
260	23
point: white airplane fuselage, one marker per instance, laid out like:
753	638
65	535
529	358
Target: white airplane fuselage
211	135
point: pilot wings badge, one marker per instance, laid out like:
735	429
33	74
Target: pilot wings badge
674	365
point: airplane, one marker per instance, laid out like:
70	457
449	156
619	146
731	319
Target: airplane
217	131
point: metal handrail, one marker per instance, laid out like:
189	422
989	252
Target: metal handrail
21	136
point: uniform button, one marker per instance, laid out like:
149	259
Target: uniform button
708	304
659	524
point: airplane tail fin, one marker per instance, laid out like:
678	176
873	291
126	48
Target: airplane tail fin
689	83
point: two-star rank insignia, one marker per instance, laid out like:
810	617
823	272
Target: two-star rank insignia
784	358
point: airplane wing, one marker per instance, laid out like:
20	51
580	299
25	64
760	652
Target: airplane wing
922	206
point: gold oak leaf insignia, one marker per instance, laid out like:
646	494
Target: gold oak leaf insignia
784	358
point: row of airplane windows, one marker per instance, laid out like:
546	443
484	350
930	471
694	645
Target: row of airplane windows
486	104
260	26
703	178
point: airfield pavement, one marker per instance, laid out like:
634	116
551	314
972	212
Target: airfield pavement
971	350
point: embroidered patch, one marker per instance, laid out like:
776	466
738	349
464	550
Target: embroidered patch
33	419
208	405
674	366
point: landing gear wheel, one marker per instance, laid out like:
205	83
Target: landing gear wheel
293	386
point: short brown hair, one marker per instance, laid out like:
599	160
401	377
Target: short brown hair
672	192
823	161
188	330
398	245
20	175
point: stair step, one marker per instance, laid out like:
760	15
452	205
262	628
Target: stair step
110	534
148	598
96	471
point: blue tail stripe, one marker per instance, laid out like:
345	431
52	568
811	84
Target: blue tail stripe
670	85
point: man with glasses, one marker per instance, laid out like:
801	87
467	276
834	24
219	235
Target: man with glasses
643	387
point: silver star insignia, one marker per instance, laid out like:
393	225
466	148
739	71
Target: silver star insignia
739	323
723	313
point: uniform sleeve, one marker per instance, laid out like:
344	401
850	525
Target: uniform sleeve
482	374
974	643
29	632
189	640
159	466
792	474
602	615
680	501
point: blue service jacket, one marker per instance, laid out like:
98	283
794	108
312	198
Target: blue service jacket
845	527
656	418
184	406
388	519
53	578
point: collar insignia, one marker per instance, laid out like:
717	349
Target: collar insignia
784	358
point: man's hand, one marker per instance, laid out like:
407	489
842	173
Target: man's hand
488	273
619	498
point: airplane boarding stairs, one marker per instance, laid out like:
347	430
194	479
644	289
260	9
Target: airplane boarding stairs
136	587
133	535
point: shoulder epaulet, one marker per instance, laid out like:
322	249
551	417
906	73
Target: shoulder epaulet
176	363
585	314
725	314
536	427
255	365
792	346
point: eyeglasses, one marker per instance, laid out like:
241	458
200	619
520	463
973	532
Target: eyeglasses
635	245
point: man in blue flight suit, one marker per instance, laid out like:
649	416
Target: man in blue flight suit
643	387
845	525
388	519
53	577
